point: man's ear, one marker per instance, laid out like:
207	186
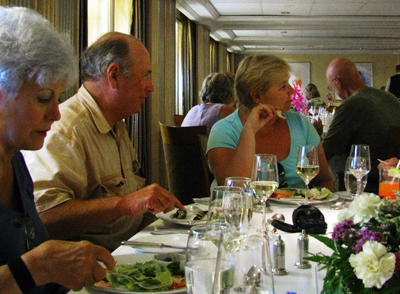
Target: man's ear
256	97
112	74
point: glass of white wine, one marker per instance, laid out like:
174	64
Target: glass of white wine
307	166
264	179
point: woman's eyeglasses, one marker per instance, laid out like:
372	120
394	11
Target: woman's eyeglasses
26	223
282	180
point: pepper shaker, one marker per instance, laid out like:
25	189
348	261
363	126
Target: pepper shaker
302	251
278	261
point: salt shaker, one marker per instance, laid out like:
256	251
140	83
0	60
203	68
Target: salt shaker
278	261
302	251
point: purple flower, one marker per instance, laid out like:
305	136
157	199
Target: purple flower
343	229
365	235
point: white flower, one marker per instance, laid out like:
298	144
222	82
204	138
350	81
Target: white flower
373	265
362	208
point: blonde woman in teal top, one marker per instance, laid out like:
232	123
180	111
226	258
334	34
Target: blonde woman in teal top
262	89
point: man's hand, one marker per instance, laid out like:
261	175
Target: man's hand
318	126
392	162
153	199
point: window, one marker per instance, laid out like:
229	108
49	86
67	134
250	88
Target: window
179	68
106	16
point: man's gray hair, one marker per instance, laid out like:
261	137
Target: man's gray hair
110	48
32	49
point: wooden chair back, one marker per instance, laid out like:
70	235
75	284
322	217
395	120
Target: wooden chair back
178	119
187	171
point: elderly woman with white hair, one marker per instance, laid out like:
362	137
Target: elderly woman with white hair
263	89
37	64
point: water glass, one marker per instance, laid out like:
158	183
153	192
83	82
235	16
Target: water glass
203	241
350	181
248	253
360	164
244	183
200	275
227	205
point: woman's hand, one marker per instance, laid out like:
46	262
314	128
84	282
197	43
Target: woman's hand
71	264
260	116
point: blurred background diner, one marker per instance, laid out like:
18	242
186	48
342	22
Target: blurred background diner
218	101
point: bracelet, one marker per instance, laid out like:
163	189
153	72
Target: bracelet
21	275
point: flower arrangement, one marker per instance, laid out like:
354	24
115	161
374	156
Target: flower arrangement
366	249
298	101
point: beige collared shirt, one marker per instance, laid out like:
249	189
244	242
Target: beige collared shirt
84	158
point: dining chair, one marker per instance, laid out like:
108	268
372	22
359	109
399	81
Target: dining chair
187	171
394	142
178	119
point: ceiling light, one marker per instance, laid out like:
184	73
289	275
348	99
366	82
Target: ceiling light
285	12
282	48
284	32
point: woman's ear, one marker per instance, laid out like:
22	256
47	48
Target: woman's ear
256	97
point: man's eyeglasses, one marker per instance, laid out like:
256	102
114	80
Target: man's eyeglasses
330	88
26	223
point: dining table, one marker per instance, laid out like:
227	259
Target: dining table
299	281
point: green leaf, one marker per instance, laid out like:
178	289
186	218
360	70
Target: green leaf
327	241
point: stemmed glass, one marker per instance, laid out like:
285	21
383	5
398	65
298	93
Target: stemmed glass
360	164
227	205
244	183
307	166
350	181
264	179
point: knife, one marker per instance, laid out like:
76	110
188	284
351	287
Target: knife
168	232
150	244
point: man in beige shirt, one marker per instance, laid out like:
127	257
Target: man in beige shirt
84	176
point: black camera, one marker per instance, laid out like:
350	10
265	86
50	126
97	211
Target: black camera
306	217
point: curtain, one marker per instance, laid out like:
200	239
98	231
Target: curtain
189	64
213	55
136	124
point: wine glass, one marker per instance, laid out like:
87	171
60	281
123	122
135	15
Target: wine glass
264	179
244	183
360	164
227	205
307	166
350	181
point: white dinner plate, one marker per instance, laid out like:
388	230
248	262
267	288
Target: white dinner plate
132	259
298	200
344	195
172	239
188	221
203	201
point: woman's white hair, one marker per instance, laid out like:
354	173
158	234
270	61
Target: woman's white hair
32	49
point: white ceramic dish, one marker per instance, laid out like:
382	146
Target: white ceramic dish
132	259
300	200
188	221
174	239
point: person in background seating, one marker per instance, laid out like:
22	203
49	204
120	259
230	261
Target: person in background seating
217	94
85	182
37	64
313	96
364	117
393	83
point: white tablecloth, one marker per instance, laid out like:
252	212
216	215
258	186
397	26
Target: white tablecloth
299	281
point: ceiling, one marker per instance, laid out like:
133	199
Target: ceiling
300	26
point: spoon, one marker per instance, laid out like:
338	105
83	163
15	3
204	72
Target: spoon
252	278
